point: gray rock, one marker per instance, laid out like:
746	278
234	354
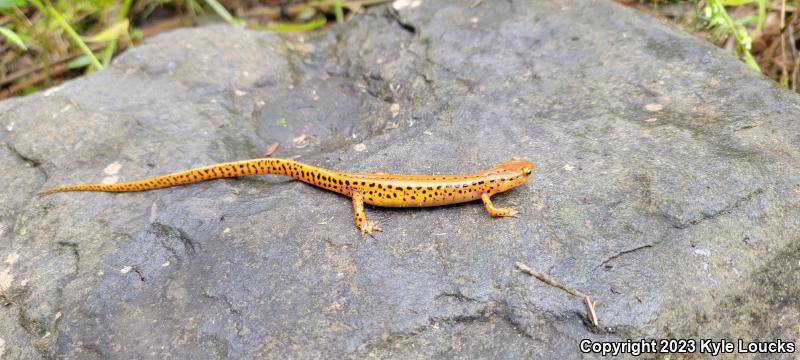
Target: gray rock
651	147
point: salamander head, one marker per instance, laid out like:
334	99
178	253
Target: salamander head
511	173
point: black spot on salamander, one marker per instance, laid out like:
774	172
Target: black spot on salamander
389	186
380	186
371	184
439	187
430	187
419	187
408	187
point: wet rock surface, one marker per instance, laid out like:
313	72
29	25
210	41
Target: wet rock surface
667	187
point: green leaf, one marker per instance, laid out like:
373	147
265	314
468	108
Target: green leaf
137	34
220	10
762	15
290	27
29	90
8	4
111	33
748	59
79	62
338	10
281	122
718	18
735	2
70	31
747	20
23	231
11	36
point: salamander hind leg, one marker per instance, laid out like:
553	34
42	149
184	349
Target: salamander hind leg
498	212
362	223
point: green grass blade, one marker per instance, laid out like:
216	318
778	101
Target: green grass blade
109	34
108	53
109	50
70	31
11	36
8	4
78	62
735	2
224	14
749	60
719	16
762	15
76	38
288	27
339	10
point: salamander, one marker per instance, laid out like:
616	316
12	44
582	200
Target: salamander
379	189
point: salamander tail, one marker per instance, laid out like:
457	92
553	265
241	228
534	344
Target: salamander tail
211	172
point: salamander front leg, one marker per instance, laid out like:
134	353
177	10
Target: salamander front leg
362	223
487	202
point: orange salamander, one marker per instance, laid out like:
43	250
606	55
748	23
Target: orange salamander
379	189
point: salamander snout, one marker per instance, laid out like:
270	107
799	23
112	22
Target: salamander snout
513	172
527	170
519	166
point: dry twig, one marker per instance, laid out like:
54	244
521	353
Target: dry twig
23	72
590	305
590	310
271	149
4	297
34	79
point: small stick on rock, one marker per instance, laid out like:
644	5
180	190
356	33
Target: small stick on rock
271	149
138	271
590	309
548	280
590	305
4	297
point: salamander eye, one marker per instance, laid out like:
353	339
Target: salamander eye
527	170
